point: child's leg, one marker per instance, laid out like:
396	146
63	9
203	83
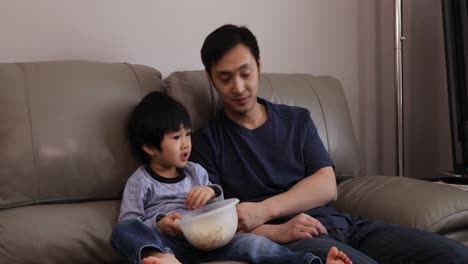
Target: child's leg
136	241
160	258
182	249
131	236
337	257
257	249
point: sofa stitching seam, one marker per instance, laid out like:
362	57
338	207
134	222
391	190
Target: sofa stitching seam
445	217
321	109
136	77
33	141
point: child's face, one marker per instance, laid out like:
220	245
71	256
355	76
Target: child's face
176	147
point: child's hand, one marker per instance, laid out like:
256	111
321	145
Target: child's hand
198	196
168	226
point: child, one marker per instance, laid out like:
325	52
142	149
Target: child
168	184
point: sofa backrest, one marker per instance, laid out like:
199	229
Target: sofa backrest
63	123
62	132
322	95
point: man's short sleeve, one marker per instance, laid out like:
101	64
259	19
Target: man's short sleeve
315	154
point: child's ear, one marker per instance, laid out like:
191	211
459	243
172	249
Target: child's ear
150	150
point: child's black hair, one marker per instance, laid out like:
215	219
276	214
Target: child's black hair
155	115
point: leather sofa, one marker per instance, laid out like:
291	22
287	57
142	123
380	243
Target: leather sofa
64	159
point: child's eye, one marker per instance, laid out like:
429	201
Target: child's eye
176	137
188	134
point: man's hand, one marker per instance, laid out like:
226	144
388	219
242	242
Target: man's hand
250	216
300	227
198	196
168	226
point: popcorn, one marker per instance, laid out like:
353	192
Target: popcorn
207	238
212	226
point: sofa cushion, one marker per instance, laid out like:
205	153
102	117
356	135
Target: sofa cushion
399	200
322	95
62	132
193	90
59	233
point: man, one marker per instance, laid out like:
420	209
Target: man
271	157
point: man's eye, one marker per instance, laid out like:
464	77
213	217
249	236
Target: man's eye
245	75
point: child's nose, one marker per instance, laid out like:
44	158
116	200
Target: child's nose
185	143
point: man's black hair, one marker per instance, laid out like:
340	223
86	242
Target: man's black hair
224	38
155	115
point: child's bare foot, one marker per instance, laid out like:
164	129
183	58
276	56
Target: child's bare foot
160	258
336	256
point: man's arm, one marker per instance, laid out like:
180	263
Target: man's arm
313	191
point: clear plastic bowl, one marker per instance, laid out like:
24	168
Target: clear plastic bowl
211	226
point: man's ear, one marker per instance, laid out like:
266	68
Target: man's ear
208	76
150	150
259	65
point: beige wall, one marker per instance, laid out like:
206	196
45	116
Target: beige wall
349	39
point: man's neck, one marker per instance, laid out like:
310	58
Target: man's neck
252	119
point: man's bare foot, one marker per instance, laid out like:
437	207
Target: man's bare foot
336	256
160	258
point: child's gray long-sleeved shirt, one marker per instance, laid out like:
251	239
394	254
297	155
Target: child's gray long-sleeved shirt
148	195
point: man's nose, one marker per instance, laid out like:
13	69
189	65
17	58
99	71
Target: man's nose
238	85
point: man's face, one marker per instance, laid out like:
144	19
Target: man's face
235	77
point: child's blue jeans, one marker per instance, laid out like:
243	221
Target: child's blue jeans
131	236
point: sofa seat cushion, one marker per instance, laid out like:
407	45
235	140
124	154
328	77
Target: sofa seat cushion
59	233
399	200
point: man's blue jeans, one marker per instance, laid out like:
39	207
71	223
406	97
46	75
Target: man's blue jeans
377	242
130	236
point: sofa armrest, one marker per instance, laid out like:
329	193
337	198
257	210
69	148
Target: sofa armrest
405	201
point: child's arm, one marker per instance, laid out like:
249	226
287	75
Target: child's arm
168	226
204	190
198	196
133	200
133	197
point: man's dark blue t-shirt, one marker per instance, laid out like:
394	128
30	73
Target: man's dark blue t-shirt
254	165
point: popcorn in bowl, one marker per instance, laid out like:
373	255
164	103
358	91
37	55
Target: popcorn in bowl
211	226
